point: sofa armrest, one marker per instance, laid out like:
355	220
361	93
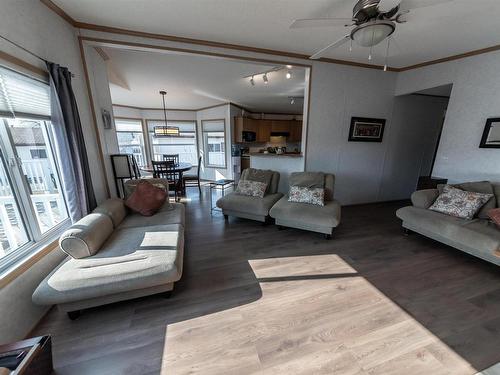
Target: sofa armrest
424	198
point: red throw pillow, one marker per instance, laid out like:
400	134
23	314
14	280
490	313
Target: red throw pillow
494	215
146	199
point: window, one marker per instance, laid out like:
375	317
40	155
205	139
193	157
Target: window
32	205
214	143
185	144
131	139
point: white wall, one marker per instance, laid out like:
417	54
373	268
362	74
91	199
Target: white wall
216	113
99	82
35	27
474	98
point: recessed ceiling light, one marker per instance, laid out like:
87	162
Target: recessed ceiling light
288	75
289	67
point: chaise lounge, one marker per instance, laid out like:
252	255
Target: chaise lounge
116	255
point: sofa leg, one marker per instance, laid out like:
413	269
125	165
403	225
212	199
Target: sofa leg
406	231
280	227
168	294
226	218
73	315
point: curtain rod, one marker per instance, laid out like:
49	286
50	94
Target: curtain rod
24	49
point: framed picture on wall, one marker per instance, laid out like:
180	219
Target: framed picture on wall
366	129
491	134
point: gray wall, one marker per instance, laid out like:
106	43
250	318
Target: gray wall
416	121
337	94
474	98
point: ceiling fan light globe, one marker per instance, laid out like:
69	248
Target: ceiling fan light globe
371	34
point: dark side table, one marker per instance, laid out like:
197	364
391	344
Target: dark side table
28	357
222	186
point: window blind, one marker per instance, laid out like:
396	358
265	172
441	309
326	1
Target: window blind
21	96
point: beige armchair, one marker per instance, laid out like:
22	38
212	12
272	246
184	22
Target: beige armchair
252	208
321	219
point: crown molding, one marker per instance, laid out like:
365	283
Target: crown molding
115	30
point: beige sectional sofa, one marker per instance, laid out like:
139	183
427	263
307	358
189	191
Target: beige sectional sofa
478	237
252	208
116	255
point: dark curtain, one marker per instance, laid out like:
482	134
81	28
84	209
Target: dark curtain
70	144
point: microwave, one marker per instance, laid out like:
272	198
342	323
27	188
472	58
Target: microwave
249	136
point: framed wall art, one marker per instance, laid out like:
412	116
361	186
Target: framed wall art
366	129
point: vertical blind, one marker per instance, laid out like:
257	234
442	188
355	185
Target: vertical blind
21	95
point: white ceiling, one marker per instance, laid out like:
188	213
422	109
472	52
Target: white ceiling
430	33
194	81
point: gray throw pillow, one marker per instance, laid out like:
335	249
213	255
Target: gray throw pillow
307	179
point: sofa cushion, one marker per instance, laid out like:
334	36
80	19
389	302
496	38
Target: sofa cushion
307	195
251	188
321	216
114	208
459	203
259	175
86	236
307	179
484	187
477	235
130	185
132	258
252	205
172	213
494	215
424	198
146	199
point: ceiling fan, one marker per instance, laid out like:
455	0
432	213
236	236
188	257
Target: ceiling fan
373	21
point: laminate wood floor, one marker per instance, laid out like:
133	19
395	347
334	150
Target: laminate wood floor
255	300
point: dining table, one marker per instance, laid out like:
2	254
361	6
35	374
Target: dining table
179	168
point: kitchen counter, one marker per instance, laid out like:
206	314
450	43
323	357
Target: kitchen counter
282	163
290	155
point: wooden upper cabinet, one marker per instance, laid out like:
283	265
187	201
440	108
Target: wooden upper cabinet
264	130
280	126
295	131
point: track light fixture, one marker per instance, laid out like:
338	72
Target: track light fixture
292	100
252	82
264	78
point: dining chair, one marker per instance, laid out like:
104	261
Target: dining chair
166	170
171	157
192	179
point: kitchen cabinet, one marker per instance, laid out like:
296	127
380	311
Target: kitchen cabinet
295	131
280	126
263	129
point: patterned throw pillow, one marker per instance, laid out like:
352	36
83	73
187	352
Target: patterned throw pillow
251	188
459	203
494	215
301	194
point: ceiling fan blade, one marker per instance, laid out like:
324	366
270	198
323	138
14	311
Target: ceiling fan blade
322	51
387	5
415	4
319	22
